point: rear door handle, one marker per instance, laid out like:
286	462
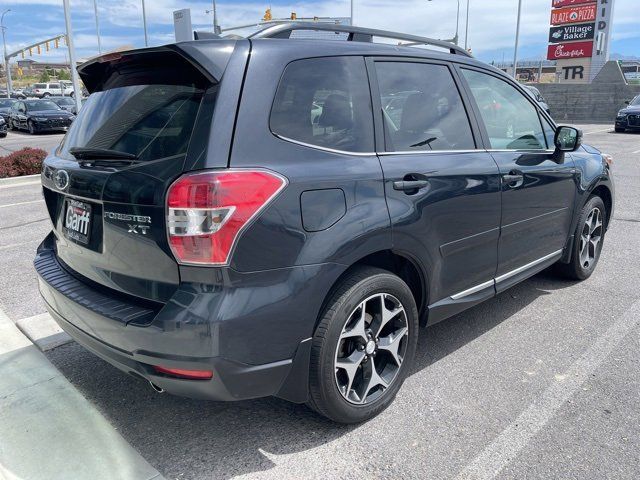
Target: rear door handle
408	185
513	180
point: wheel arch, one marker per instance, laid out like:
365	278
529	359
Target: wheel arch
601	190
398	263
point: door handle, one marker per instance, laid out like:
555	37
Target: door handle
409	185
513	180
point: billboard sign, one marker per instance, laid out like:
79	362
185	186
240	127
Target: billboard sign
570	3
582	13
564	51
571	33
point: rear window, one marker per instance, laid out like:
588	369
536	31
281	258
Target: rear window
148	121
325	102
40	85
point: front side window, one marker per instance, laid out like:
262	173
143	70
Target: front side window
422	108
325	102
512	122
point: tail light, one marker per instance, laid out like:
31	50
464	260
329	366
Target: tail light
208	211
182	373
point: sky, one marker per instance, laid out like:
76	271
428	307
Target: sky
491	22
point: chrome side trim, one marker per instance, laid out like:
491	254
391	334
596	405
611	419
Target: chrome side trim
324	149
428	152
527	266
472	290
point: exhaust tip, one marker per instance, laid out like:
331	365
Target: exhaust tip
156	387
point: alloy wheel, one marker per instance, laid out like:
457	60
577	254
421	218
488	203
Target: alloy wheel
371	349
591	238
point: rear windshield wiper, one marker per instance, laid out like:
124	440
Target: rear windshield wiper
100	154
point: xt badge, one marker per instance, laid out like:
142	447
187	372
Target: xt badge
137	228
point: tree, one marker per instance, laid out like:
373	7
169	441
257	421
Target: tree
63	74
44	76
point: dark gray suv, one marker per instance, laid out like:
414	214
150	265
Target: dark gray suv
234	219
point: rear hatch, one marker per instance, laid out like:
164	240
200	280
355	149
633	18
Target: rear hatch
149	114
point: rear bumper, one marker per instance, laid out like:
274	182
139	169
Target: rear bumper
253	350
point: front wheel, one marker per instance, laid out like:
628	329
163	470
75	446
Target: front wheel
620	130
587	242
32	128
363	346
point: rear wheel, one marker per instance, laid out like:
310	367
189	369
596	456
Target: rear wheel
45	94
588	240
363	347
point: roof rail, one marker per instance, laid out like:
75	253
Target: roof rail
356	34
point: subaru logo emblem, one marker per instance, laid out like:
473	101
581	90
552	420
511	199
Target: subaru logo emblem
61	179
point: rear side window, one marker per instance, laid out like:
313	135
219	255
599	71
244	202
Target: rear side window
511	120
325	102
422	108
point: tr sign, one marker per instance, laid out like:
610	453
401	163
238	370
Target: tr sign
581	13
570	50
570	3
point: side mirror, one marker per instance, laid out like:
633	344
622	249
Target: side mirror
627	102
568	139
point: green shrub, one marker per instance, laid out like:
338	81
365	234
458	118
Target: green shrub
27	161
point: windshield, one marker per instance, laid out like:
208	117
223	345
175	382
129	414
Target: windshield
6	103
40	105
635	101
148	121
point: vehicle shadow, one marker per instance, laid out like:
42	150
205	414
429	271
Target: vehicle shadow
194	439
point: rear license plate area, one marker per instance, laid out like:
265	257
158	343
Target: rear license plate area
76	221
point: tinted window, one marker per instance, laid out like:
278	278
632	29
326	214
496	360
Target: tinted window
549	133
149	121
6	103
511	120
422	108
635	101
40	85
325	102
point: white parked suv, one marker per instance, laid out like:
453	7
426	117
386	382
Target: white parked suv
43	90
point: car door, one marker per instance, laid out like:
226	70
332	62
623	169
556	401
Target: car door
538	184
442	187
20	114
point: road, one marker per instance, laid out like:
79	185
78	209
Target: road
15	140
539	382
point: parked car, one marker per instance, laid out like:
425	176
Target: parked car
295	251
535	93
65	103
629	117
3	128
44	90
5	108
14	94
37	116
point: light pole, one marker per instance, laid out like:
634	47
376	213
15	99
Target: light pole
6	60
216	27
515	52
351	14
466	28
144	24
77	92
455	38
95	9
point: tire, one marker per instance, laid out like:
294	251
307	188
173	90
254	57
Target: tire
578	268
46	94
620	130
32	129
354	398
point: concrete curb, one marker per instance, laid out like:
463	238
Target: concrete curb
16	181
43	331
48	429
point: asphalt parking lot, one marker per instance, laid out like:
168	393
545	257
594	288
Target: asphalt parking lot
540	382
15	140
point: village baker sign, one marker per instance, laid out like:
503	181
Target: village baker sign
570	33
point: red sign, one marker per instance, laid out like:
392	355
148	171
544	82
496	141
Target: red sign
569	3
570	50
580	14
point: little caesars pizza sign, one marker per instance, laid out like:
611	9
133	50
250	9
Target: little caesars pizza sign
579	38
